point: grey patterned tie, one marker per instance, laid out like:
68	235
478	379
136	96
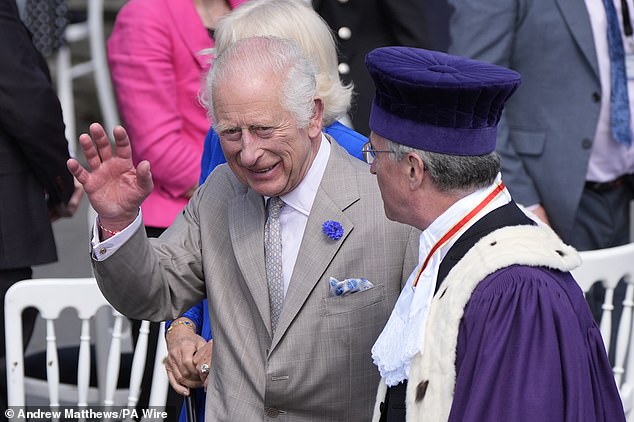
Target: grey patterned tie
273	256
47	20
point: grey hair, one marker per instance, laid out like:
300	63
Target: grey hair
269	55
297	21
453	173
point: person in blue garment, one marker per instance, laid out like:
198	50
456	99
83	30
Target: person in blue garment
188	337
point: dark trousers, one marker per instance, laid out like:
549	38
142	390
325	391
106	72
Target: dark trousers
393	406
603	221
7	279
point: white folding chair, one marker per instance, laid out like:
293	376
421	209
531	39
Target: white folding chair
68	69
607	267
50	297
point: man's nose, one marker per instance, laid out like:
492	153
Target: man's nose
251	150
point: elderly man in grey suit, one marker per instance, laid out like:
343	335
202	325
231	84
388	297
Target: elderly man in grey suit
559	155
342	262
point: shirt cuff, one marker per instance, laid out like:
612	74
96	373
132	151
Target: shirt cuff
103	250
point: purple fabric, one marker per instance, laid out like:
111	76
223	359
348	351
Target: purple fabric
429	95
529	350
432	138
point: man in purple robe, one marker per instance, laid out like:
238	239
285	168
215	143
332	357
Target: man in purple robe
491	326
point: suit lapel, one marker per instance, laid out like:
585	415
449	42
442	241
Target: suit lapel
190	30
246	228
576	17
317	250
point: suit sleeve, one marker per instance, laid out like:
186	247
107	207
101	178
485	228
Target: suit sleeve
485	30
30	112
160	278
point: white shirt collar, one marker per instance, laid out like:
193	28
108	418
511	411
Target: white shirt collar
302	197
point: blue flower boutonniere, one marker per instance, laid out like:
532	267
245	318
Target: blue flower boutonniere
332	229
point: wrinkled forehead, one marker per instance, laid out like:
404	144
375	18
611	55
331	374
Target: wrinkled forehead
242	81
247	90
253	103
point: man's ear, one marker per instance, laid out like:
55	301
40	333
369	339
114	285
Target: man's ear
415	167
315	125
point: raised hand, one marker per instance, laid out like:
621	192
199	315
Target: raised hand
115	188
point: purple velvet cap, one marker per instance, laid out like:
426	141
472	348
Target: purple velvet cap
437	102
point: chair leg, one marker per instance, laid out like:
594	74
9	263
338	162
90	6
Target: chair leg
65	94
160	382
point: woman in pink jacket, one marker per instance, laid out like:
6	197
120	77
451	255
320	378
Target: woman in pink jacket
156	66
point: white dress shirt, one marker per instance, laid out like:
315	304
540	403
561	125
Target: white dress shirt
294	214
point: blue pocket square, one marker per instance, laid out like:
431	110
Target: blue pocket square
348	286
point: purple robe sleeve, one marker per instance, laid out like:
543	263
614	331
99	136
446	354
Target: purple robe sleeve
528	350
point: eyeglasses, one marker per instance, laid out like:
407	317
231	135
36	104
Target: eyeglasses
369	152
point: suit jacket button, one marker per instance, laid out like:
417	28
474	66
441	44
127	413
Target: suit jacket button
596	97
271	412
343	68
344	33
586	143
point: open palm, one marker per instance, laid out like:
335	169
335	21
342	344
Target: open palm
114	186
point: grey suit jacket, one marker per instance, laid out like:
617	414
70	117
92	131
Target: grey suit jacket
545	137
317	366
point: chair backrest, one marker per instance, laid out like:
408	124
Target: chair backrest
50	297
608	267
